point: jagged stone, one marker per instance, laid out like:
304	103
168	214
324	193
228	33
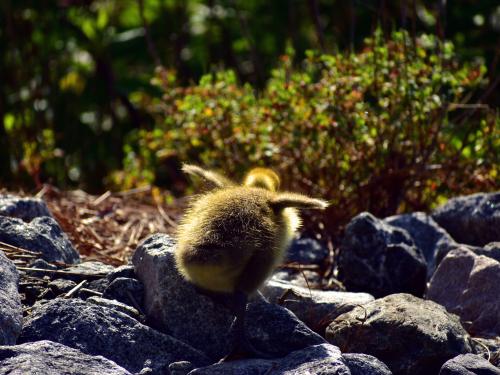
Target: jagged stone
380	259
467	284
176	307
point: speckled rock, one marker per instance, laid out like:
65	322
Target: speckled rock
175	307
364	364
467	284
410	335
10	302
100	330
47	357
316	308
380	259
23	208
42	234
317	359
468	364
472	219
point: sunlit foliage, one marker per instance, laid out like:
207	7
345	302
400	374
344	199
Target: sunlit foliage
386	129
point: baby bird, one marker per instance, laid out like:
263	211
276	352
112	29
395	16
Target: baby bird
231	238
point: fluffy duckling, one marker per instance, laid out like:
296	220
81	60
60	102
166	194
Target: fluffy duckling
231	238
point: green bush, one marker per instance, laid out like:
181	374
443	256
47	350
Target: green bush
387	129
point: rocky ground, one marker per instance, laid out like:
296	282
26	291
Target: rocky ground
421	295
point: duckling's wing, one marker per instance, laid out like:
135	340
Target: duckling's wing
215	178
284	200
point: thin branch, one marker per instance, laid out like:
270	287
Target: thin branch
75	289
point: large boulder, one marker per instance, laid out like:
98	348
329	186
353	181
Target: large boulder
100	330
42	234
468	364
467	284
47	357
11	313
472	219
317	359
409	334
22	208
176	307
427	235
316	308
380	259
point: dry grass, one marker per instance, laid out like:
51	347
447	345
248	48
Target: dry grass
110	226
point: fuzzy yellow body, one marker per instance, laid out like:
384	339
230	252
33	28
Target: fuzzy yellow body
232	238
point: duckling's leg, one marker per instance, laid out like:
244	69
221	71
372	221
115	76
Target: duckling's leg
241	346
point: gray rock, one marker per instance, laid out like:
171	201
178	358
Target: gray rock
380	259
47	358
468	285
116	305
427	235
23	208
126	290
468	364
42	234
316	308
408	334
99	330
175	307
364	364
11	313
307	251
317	359
89	270
472	219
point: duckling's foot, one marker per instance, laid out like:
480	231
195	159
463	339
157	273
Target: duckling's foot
243	349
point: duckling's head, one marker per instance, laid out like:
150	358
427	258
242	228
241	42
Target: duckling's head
263	178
